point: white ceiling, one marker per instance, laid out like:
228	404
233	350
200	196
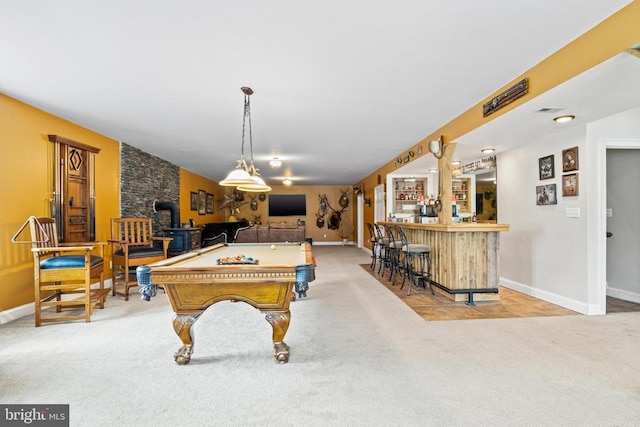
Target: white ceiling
341	87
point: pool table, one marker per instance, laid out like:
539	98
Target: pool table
196	280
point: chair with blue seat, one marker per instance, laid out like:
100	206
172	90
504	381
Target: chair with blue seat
132	243
63	273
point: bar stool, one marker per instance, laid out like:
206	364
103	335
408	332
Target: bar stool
383	245
395	253
415	254
374	246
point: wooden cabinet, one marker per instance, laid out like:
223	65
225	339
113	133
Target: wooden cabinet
407	193
73	199
462	193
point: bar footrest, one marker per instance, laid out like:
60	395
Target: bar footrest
470	292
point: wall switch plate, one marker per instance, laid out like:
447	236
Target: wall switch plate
609	213
572	212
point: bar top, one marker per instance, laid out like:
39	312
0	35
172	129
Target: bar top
461	227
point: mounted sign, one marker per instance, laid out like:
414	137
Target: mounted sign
478	165
506	97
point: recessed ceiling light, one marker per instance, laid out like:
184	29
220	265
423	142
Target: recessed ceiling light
488	150
287	181
564	119
275	163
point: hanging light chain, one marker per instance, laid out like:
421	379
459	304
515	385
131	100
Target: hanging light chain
251	168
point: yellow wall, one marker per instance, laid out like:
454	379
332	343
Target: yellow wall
190	182
611	37
26	176
312	193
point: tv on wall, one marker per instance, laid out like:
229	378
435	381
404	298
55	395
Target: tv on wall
287	205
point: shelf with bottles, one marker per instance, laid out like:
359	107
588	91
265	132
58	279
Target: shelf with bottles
461	192
409	189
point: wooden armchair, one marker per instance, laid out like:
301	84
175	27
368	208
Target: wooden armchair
132	243
61	269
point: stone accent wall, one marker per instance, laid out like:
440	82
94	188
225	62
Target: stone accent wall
145	178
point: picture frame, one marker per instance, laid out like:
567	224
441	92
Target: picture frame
209	207
546	195
546	167
570	185
202	202
570	159
194	201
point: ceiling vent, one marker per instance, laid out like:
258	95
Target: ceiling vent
549	110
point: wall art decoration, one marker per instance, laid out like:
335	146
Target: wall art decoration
570	185
202	202
209	207
546	168
570	159
194	201
546	195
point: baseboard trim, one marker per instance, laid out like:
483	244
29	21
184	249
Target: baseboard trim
29	309
623	295
551	297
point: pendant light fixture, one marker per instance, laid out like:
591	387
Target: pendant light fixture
246	177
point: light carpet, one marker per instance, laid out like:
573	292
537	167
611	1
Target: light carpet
359	357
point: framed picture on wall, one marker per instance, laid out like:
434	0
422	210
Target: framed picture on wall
570	159
202	202
570	185
546	195
194	201
209	203
546	168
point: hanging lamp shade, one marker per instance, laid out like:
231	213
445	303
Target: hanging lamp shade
257	186
237	177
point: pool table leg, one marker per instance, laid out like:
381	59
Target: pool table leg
182	324
302	288
280	323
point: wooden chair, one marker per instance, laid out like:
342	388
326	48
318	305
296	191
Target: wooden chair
132	243
60	269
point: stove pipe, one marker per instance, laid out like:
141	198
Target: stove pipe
169	206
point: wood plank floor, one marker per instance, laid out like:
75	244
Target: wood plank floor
512	304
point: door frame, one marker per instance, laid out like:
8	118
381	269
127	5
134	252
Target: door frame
597	229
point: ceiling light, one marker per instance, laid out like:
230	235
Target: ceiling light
245	177
275	163
287	181
564	119
488	150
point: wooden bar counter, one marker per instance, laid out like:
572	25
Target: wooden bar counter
464	256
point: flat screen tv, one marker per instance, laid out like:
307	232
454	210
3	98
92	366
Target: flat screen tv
287	205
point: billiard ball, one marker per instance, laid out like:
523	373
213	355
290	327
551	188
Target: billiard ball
273	246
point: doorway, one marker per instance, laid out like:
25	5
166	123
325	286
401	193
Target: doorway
622	226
